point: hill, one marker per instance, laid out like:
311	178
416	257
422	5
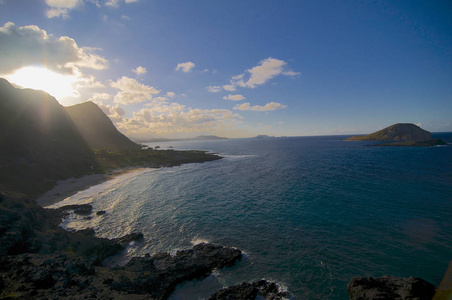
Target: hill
399	132
42	142
97	129
38	141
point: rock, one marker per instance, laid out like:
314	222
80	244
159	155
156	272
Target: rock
266	289
79	209
101	212
158	275
390	287
127	239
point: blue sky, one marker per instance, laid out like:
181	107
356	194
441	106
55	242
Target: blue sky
237	68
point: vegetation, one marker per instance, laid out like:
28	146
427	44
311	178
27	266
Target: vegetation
113	159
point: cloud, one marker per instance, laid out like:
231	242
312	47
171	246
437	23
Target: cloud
115	3
213	88
31	45
99	97
89	82
267	107
140	70
170	94
260	74
60	8
185	67
229	87
234	97
114	112
131	91
164	119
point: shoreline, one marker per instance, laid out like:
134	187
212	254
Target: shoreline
71	186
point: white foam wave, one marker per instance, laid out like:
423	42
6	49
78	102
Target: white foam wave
198	241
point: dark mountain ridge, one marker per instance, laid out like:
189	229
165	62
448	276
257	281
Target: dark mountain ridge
38	140
42	142
97	129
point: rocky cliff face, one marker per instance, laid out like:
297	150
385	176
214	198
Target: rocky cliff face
396	132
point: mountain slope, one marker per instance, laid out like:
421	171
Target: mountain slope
97	129
38	141
396	132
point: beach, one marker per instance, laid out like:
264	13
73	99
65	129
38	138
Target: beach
71	186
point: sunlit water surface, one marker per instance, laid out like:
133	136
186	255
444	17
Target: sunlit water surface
309	212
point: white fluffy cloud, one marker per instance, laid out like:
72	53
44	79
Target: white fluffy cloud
234	97
131	91
267	107
60	8
165	119
114	112
229	87
31	45
260	74
214	88
140	70
185	67
99	97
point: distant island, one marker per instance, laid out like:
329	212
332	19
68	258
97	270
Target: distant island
198	138
400	135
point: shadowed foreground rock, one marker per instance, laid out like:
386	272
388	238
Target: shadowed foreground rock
158	275
390	287
245	291
62	275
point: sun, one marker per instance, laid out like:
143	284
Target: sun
39	78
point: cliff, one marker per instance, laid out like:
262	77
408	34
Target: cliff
97	129
398	132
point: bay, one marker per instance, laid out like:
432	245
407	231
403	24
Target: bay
308	212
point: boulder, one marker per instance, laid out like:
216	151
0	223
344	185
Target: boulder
263	288
390	287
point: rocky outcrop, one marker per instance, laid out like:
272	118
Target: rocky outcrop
62	276
158	275
39	260
396	132
390	287
245	291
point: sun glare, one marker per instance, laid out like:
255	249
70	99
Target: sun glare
57	85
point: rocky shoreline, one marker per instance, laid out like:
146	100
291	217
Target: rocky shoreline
40	260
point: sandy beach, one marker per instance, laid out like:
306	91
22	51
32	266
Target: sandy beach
71	186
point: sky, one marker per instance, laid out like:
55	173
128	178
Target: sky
168	68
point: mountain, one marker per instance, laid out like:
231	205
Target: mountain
97	129
38	141
398	132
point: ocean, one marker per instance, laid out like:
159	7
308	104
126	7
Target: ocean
308	212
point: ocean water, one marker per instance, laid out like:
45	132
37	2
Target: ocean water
308	212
